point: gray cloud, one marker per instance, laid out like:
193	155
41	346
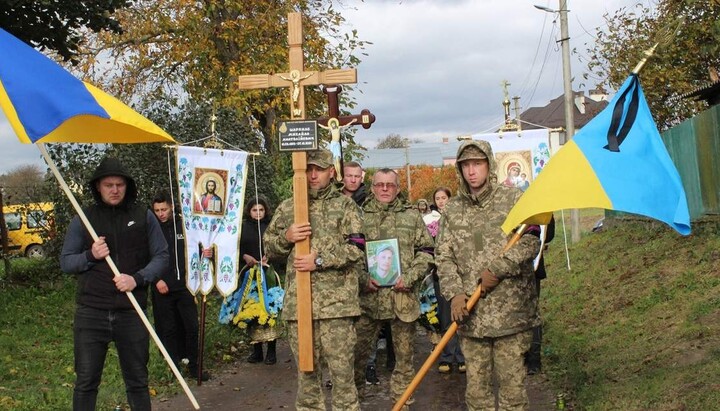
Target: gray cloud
435	67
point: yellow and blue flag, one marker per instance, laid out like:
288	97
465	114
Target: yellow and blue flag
617	161
45	103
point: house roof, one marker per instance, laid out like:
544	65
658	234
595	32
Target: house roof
709	92
553	114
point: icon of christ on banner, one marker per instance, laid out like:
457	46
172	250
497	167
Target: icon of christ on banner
209	191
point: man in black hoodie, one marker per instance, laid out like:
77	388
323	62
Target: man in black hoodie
174	308
131	235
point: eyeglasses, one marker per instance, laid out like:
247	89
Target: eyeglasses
388	186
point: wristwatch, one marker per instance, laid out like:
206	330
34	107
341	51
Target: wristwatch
319	262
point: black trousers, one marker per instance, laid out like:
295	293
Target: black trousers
176	321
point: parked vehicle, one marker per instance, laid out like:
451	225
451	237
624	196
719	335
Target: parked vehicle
28	225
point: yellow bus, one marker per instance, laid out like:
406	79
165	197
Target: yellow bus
27	226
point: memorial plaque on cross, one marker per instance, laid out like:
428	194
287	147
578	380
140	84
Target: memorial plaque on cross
334	123
296	79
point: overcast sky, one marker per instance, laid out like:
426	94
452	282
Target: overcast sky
435	67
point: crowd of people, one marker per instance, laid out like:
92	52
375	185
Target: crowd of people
454	239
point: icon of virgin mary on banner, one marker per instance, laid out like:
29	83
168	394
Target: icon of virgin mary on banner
520	155
212	191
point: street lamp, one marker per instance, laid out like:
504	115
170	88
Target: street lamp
543	8
569	97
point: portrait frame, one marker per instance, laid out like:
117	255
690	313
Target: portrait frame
202	177
373	249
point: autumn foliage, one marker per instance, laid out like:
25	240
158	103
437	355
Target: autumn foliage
424	180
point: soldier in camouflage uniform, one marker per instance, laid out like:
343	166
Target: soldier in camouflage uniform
386	216
498	332
334	230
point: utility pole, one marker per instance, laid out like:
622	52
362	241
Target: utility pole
569	103
516	108
407	166
569	97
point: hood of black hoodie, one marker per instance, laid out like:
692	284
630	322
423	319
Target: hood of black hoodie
111	166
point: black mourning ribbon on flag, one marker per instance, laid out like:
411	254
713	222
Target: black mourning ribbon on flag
616	137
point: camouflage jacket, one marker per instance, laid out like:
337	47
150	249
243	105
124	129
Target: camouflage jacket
333	217
470	240
395	220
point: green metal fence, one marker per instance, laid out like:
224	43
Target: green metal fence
694	146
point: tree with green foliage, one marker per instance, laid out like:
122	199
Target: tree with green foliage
689	38
58	25
173	51
175	59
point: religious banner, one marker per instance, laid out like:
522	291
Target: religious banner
212	192
520	155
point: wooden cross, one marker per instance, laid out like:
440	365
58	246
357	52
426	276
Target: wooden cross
335	122
297	79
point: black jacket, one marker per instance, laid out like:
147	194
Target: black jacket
360	195
175	273
134	239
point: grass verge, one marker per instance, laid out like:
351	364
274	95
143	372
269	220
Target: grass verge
36	348
636	323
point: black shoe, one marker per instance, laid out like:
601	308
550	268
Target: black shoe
257	354
371	376
270	358
254	358
533	369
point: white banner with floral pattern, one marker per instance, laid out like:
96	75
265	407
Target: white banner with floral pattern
520	155
212	192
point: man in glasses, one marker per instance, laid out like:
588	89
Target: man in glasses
386	215
354	188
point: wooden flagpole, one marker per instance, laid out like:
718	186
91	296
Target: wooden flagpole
450	332
116	271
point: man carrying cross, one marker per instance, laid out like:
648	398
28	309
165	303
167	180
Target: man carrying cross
334	228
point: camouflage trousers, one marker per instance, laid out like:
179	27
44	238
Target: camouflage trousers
334	345
403	337
504	355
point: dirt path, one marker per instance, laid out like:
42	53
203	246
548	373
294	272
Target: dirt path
272	387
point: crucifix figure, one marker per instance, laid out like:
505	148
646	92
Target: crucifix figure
297	82
335	123
335	148
295	78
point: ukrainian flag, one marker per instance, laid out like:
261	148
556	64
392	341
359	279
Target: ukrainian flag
617	161
45	103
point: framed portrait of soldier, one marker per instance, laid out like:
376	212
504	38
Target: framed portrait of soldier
209	191
383	261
